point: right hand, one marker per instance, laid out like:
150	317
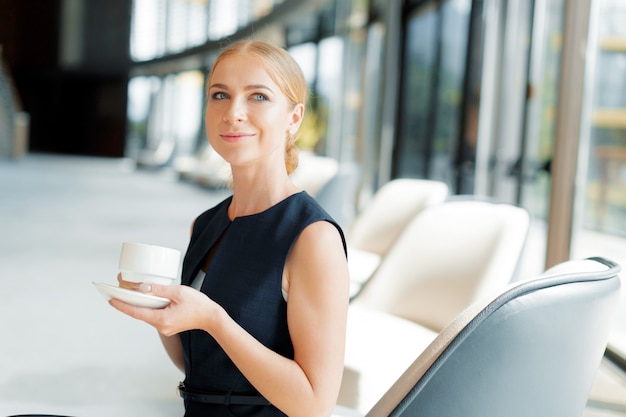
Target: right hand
189	309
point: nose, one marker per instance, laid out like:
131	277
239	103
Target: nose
235	113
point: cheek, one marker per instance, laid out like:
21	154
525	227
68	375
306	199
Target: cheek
210	117
209	127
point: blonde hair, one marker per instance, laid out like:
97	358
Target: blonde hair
284	71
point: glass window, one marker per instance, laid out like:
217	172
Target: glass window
305	55
187	23
165	111
310	132
197	22
187	108
432	97
141	93
328	95
451	73
544	75
222	18
7	109
605	208
161	27
539	127
419	68
176	25
147	29
600	210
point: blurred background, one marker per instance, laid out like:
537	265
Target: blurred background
520	101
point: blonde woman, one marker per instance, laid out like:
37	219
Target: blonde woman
258	324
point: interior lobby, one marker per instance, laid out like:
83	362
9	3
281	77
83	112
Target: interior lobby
102	142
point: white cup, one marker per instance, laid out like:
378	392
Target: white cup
140	262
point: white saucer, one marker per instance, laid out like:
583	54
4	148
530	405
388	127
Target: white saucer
135	298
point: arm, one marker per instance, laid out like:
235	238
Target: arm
174	349
317	310
317	313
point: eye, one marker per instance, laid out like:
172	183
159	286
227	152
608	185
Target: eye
219	95
259	97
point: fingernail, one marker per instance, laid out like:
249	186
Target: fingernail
145	287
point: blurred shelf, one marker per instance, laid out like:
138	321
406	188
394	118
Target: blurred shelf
609	118
613	44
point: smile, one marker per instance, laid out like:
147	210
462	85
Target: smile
236	137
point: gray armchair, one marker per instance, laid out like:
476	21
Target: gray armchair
532	350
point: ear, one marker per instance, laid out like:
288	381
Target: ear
296	116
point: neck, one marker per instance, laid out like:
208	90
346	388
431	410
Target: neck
254	192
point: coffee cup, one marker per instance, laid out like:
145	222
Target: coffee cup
140	262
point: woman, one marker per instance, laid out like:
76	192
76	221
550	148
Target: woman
258	325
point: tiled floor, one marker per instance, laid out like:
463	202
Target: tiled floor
64	350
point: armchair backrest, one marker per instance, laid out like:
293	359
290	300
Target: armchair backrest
392	207
449	256
532	350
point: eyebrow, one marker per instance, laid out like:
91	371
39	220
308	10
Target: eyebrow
248	87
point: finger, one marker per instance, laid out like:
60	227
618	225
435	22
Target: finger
139	313
153	317
122	306
166	291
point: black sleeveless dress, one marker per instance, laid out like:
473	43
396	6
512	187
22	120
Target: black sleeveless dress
245	278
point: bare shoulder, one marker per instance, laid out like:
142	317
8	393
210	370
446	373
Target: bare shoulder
317	257
320	238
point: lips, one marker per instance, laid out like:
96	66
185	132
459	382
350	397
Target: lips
234	137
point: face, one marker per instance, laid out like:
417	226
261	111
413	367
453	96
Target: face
247	116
